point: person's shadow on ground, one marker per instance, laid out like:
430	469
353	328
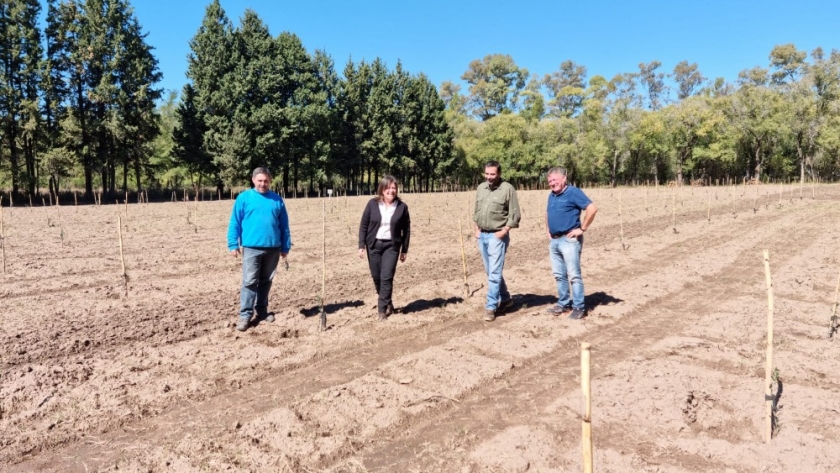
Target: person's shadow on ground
525	301
330	308
425	304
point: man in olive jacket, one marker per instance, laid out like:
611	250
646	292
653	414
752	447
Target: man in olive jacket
496	212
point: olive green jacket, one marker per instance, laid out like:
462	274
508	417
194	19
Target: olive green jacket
496	207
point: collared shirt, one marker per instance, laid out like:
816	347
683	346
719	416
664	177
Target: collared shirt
564	210
386	212
497	207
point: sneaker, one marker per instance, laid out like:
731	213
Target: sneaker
489	315
269	318
504	305
242	325
559	310
578	314
383	316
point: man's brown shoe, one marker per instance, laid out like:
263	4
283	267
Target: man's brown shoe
504	305
489	315
559	311
383	316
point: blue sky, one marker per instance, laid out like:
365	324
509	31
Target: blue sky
440	38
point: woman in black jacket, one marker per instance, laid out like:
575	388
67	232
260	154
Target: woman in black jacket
384	234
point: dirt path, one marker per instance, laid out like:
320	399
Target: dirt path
159	381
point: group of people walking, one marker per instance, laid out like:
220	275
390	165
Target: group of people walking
259	233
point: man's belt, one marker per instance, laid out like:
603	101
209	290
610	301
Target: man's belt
560	234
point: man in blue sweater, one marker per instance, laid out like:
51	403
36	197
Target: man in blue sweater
259	224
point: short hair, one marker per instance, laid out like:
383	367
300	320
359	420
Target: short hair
261	170
494	164
557	170
385	183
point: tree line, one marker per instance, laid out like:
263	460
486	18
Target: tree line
80	108
780	122
78	98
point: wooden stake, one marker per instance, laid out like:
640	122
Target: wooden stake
833	323
324	266
3	235
621	223
586	443
122	256
674	210
75	198
768	370
709	208
463	258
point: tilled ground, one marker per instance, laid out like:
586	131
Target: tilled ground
94	379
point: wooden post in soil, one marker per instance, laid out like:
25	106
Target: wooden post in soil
3	235
586	442
674	210
768	371
709	208
621	223
122	256
833	321
813	188
323	317
463	259
60	226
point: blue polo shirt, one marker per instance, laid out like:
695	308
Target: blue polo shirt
564	209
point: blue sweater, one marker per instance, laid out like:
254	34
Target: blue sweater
259	221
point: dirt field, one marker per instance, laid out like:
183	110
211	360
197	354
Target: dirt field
160	380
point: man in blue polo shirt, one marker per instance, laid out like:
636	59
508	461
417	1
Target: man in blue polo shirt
259	222
565	230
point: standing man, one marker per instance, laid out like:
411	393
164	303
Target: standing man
496	212
565	230
260	222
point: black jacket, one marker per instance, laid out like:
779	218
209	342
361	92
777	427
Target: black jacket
400	226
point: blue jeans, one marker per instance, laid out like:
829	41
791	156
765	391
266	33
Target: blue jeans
493	252
565	264
258	268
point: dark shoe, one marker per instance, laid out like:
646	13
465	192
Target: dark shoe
489	315
390	309
504	305
559	310
269	318
383	316
242	325
578	314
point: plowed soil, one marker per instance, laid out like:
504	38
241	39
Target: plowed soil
156	378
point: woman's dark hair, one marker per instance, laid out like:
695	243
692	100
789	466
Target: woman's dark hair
385	183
